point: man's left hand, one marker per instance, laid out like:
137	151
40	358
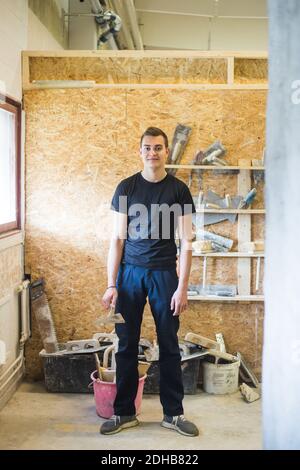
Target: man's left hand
179	301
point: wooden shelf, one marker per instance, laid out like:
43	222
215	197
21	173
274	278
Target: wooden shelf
148	53
231	211
231	254
231	76
219	298
212	167
149	86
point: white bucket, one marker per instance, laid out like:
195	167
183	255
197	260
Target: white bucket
220	379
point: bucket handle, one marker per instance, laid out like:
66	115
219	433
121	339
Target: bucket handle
93	379
108	350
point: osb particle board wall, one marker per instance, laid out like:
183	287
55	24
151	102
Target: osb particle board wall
79	144
129	70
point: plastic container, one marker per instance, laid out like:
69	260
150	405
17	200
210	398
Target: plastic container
190	374
68	373
105	394
220	379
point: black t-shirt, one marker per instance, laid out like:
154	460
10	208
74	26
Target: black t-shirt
152	217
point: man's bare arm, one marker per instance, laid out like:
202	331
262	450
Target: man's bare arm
179	299
114	258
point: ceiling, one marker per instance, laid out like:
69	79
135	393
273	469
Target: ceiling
203	24
219	8
176	24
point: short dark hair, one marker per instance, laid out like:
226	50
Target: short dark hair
154	132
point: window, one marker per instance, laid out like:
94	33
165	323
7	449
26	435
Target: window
10	158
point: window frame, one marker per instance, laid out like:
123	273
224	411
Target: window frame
9	104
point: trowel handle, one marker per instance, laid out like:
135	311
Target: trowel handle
111	310
98	366
108	350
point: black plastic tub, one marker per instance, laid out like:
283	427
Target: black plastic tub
69	373
190	375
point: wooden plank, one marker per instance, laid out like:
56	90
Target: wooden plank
25	71
257	277
45	84
211	167
204	270
230	70
246	212
178	86
219	298
244	235
125	58
148	54
231	254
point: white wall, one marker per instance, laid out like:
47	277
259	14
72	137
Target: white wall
20	29
82	29
13	38
39	37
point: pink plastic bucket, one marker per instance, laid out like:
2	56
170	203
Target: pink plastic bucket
105	394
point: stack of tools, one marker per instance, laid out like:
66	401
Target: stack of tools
217	243
212	200
221	290
221	375
210	156
210	347
190	362
179	142
67	366
68	370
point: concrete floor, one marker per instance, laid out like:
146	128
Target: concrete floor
36	419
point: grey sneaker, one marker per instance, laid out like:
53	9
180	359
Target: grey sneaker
180	424
117	423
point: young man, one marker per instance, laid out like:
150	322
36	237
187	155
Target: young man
148	207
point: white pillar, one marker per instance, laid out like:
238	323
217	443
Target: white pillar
281	361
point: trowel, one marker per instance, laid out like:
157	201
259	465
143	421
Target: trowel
112	317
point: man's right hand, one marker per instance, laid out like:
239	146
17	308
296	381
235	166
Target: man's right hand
109	298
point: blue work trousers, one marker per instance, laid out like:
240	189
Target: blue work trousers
134	285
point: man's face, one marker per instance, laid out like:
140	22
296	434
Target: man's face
154	152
